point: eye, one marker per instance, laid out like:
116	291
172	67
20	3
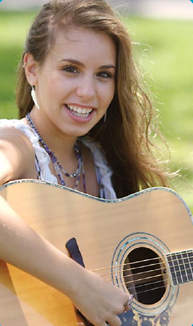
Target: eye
70	69
105	74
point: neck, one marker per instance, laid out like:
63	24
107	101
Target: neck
59	170
181	266
59	143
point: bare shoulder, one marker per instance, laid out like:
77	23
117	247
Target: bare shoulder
16	155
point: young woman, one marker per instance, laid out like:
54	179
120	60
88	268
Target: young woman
85	123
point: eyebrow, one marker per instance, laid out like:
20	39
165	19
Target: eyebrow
76	62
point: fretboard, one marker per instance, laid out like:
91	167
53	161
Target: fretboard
181	266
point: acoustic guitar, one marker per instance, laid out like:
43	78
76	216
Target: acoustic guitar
142	243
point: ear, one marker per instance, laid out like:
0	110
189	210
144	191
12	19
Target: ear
31	67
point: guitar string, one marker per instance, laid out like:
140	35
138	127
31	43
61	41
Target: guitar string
131	269
153	270
129	288
135	280
145	285
189	268
145	272
148	290
156	275
142	279
158	259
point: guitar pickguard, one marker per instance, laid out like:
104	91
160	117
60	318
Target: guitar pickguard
130	318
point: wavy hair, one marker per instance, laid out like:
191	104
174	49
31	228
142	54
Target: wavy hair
126	135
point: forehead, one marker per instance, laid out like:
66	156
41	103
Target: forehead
84	43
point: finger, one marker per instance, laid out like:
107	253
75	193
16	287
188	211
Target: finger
114	321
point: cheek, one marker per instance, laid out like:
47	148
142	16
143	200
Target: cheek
109	94
53	82
63	87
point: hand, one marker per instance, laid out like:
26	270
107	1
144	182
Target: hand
100	302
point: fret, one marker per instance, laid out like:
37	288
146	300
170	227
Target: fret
190	256
172	269
188	265
181	266
178	269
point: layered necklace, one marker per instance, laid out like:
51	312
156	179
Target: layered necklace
60	172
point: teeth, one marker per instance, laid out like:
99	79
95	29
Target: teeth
81	112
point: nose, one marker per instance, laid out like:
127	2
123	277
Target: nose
86	87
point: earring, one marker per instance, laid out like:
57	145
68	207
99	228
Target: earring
105	117
34	98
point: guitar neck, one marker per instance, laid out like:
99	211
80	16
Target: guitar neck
181	266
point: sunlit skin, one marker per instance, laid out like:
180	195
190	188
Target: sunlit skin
79	73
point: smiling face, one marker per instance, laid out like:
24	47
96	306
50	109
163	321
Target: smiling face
76	83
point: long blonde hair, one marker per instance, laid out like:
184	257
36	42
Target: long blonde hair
125	136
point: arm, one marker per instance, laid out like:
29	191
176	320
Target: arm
96	299
17	157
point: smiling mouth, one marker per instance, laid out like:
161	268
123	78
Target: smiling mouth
79	111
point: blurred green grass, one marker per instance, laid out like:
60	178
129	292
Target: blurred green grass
13	31
163	50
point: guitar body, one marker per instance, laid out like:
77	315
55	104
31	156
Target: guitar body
113	238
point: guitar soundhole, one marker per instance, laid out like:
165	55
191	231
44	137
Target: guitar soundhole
145	275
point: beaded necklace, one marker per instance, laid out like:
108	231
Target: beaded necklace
56	164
